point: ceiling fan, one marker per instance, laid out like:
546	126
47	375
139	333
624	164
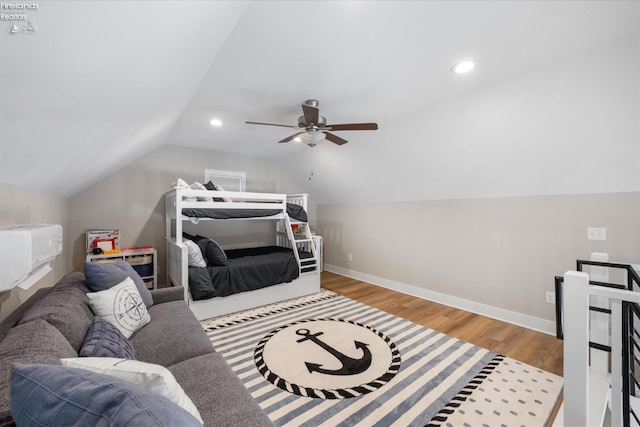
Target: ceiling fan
315	128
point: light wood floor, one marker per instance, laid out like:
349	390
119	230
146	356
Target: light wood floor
531	347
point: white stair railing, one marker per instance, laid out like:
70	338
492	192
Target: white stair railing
577	293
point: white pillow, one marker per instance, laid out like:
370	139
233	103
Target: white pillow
197	186
195	258
152	377
225	199
181	183
122	306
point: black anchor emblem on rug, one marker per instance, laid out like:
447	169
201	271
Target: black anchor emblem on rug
350	366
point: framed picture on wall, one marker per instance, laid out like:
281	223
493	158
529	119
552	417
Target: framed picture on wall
229	180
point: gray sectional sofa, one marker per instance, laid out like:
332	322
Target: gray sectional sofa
52	324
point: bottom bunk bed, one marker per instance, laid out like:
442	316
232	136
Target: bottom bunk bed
249	278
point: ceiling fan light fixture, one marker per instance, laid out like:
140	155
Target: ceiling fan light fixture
312	137
463	67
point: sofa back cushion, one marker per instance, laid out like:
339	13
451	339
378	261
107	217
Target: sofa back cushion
12	319
66	307
34	342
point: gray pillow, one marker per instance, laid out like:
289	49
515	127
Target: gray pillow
45	395
100	276
212	251
211	186
105	340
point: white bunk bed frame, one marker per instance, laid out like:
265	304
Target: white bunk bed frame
177	255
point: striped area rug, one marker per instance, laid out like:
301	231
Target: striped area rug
326	360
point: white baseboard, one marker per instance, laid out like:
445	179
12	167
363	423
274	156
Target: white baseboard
524	320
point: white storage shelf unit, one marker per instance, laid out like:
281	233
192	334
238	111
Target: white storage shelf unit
144	262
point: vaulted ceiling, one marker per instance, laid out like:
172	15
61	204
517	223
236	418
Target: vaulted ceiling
102	83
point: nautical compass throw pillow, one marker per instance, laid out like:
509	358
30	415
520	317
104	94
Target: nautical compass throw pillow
122	306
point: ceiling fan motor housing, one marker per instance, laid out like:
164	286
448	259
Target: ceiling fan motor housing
322	121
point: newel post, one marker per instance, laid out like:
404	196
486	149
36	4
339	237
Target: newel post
576	348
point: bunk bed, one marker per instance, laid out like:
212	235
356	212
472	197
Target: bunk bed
245	281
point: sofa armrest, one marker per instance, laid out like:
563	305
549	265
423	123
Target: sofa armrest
172	293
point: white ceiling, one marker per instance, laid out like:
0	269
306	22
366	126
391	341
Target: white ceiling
102	83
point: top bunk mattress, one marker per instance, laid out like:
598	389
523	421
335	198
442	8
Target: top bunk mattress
294	211
212	213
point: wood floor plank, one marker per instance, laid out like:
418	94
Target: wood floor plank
534	348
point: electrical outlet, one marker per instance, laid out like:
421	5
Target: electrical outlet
596	233
550	297
350	257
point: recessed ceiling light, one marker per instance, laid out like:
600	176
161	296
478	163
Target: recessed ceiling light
463	67
216	122
297	139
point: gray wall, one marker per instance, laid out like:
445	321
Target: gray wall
132	199
503	252
24	206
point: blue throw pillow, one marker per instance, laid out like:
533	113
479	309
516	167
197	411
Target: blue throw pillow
100	276
105	340
48	395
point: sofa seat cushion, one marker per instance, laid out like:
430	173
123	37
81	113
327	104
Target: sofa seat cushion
30	343
66	307
173	335
218	393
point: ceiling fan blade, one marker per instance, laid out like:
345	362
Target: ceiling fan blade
272	124
354	126
289	138
311	114
335	139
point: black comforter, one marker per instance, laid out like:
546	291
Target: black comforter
246	270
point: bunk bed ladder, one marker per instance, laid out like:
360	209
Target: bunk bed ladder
300	239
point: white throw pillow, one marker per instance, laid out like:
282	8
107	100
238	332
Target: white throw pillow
152	377
197	186
224	199
181	183
195	258
122	306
